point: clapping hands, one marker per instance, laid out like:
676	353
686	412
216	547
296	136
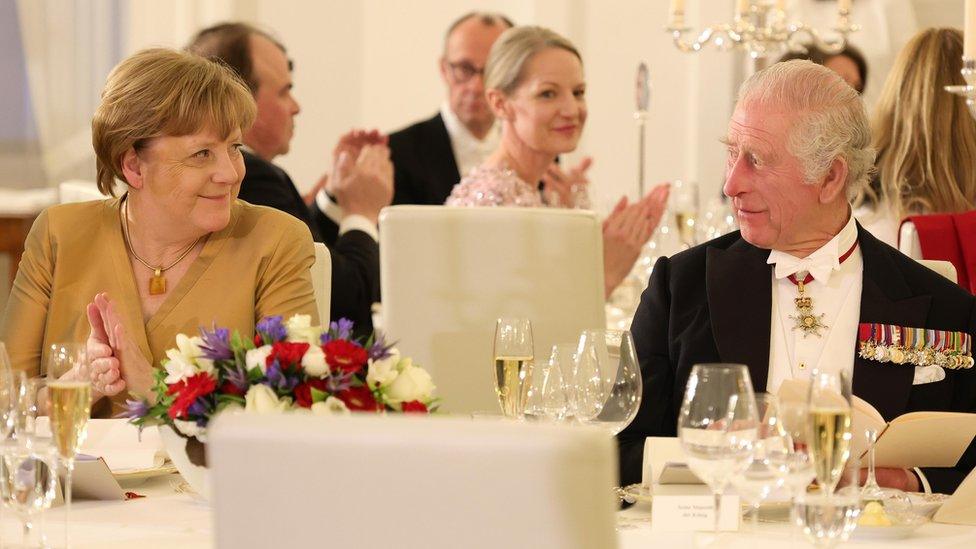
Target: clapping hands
116	363
626	230
362	179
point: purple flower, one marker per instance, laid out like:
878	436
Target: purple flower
199	407
380	349
271	329
339	382
134	409
237	377
216	343
276	379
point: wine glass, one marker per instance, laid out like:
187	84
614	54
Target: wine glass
611	356
564	356
514	353
8	395
28	483
829	417
767	469
828	518
547	391
717	425
69	406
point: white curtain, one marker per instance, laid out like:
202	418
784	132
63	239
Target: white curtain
69	46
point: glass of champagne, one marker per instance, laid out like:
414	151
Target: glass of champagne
514	354
828	518
718	425
829	416
684	206
69	406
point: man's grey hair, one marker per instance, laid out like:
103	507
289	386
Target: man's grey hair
831	119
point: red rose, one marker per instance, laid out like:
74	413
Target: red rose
188	391
229	388
359	399
344	355
258	342
288	354
303	392
414	406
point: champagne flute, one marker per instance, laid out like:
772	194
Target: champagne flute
69	406
829	405
684	205
717	425
514	354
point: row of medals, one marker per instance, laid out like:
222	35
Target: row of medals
896	354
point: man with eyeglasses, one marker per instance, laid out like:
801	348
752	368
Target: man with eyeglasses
430	156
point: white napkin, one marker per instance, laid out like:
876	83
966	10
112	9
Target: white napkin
118	443
928	374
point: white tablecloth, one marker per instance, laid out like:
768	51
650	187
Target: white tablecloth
166	518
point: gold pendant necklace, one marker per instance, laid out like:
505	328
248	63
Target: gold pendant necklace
806	319
157	282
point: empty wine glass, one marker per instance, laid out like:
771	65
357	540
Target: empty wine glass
608	379
718	425
8	395
564	355
28	482
829	413
547	392
514	354
767	469
828	518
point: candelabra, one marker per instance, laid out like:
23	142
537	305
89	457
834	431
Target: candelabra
967	90
761	29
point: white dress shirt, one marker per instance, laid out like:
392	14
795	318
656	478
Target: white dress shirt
836	293
469	151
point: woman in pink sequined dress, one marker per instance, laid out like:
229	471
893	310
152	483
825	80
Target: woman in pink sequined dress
535	87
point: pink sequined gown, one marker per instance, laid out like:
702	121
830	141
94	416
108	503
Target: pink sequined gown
491	186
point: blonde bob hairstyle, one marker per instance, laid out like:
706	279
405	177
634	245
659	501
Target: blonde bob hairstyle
925	137
513	49
159	92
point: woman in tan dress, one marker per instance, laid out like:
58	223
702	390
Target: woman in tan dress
175	252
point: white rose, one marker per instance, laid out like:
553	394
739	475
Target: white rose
300	329
413	383
330	406
257	358
186	360
191	429
261	399
382	372
314	362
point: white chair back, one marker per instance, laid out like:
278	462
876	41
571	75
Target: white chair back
944	268
321	272
908	242
448	273
78	190
409	482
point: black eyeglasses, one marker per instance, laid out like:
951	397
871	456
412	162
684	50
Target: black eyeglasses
464	71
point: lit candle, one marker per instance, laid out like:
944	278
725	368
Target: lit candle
741	8
677	13
844	5
969	46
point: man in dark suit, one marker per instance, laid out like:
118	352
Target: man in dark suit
789	291
430	157
361	182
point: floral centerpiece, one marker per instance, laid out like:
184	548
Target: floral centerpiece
288	366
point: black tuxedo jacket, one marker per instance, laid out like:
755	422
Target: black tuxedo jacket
424	167
355	255
712	303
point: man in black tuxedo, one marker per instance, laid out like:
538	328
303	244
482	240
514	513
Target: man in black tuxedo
430	157
797	143
361	182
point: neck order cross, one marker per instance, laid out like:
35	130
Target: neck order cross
805	319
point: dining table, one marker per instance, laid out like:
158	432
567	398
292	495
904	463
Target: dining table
165	512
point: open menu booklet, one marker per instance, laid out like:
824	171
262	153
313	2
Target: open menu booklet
915	439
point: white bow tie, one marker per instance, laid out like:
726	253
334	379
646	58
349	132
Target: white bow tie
820	266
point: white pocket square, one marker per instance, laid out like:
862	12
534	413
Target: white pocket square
928	374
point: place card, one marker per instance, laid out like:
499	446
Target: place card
693	513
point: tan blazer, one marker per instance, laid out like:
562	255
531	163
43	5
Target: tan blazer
256	266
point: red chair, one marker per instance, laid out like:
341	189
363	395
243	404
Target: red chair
946	237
